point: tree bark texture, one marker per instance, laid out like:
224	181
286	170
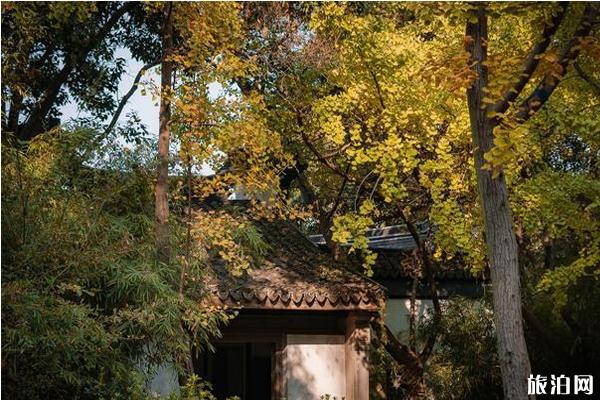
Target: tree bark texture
500	237
161	211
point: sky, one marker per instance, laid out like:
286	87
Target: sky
145	106
142	103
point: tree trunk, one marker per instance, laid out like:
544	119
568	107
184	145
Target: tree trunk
500	237
162	183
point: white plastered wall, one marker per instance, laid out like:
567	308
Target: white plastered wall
315	365
397	315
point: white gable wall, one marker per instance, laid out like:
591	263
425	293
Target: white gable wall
397	315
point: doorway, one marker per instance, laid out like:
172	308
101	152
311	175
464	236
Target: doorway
238	369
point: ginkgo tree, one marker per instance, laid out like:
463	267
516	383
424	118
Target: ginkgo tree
481	120
372	145
372	105
496	126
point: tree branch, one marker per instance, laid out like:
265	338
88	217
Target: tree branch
546	87
324	218
39	63
337	152
339	195
377	88
33	125
587	77
16	103
128	95
429	275
531	62
325	161
402	353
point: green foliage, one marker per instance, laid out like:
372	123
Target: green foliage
567	334
371	103
365	101
56	52
231	237
83	299
376	133
464	364
195	389
351	227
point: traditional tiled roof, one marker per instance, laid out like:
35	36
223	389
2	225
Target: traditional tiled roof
392	238
395	254
295	274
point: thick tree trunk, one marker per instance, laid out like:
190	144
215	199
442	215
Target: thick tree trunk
500	237
161	201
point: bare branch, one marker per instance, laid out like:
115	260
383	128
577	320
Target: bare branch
402	353
378	88
337	152
325	161
128	95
